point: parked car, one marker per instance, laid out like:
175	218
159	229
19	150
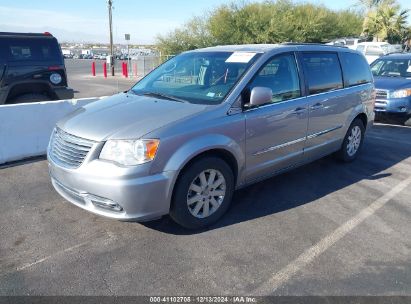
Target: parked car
208	122
398	48
374	50
351	43
392	74
31	68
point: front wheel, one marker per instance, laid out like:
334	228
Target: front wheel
353	142
203	193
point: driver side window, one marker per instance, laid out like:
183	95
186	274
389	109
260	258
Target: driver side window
281	76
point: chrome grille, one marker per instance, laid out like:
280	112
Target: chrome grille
381	94
67	150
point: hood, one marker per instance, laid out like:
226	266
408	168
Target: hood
392	83
125	116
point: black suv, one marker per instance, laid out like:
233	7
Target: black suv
31	69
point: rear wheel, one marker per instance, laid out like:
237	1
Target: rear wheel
25	98
353	142
203	193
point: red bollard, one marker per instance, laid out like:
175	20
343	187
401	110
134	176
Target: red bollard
125	70
93	68
122	66
105	69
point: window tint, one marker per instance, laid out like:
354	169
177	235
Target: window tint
281	76
33	50
322	71
356	69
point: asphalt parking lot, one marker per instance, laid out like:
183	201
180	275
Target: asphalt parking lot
324	229
85	85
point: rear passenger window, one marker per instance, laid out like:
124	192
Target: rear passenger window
281	76
323	72
33	50
356	69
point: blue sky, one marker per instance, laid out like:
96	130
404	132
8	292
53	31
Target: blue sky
75	20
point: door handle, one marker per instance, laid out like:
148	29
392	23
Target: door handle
317	106
299	110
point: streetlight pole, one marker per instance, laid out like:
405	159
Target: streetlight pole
110	20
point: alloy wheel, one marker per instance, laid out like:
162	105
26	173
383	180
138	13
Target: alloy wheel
354	141
206	193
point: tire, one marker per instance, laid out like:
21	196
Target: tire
26	98
346	154
187	200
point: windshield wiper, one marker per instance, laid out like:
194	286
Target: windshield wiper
164	96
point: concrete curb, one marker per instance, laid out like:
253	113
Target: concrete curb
25	128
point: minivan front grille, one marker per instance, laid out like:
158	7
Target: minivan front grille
381	94
67	150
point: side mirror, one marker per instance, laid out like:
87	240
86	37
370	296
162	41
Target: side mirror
260	96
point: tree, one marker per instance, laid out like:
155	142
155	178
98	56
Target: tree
194	34
388	22
266	22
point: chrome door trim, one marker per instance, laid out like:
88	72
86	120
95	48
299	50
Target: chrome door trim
273	104
311	136
296	141
293	142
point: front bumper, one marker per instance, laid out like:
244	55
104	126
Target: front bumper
395	106
97	183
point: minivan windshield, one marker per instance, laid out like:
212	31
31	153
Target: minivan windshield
197	77
392	67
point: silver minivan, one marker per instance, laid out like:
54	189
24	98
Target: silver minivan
208	122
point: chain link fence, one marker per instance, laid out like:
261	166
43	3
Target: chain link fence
140	66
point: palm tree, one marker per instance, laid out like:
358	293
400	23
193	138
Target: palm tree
387	23
370	8
369	4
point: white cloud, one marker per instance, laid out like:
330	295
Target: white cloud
67	27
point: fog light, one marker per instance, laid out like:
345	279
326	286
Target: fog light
104	203
403	109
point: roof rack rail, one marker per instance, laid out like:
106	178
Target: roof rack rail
312	43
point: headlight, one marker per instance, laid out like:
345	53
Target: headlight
130	152
400	93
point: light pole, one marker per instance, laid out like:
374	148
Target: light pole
110	21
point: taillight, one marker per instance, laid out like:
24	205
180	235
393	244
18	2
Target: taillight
55	68
47	34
